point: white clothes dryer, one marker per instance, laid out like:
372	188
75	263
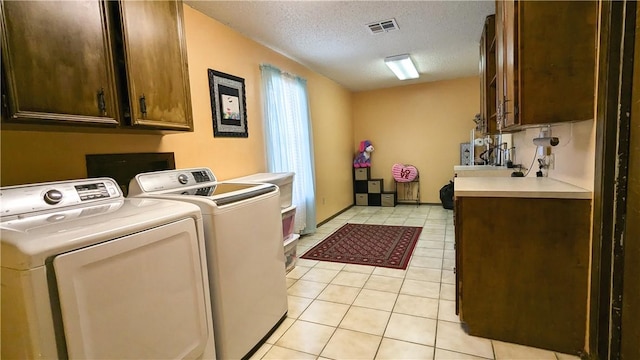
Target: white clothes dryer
243	237
88	274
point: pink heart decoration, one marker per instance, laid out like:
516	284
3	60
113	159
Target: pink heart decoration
404	173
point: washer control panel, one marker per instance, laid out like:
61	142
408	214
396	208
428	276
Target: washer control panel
22	199
92	191
169	180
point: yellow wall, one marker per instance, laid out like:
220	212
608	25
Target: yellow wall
32	156
333	136
420	124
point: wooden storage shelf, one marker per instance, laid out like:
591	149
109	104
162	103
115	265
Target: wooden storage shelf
367	191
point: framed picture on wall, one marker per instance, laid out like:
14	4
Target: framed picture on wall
228	105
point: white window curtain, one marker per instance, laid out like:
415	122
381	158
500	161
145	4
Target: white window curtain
289	141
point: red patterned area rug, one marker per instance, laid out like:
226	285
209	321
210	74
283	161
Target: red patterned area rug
364	244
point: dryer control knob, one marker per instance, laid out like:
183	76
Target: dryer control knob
183	179
52	197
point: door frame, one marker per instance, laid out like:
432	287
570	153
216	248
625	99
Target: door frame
614	98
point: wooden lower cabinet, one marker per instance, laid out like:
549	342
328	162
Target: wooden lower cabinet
522	270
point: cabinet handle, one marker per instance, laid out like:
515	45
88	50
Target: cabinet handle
102	106
143	106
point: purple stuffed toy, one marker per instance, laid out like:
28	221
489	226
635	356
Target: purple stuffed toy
363	159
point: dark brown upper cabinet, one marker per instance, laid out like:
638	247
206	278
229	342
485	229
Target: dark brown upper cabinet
58	64
156	64
545	62
95	63
488	77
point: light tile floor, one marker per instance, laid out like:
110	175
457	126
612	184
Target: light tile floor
339	311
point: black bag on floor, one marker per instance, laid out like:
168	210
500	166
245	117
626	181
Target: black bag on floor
446	196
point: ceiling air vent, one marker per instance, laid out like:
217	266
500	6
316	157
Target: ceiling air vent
383	26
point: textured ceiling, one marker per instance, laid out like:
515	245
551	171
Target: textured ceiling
331	37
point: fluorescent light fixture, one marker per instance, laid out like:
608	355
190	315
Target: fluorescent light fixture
402	66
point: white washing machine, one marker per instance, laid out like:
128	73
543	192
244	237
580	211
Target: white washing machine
88	274
243	237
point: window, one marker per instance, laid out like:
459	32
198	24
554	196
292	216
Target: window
288	139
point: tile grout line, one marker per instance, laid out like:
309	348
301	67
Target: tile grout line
394	305
342	319
369	276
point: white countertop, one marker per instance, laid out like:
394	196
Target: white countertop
482	170
480	167
525	187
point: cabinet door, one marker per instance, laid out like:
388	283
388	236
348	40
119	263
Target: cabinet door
488	75
511	101
457	224
500	64
57	62
483	82
546	63
156	64
556	62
